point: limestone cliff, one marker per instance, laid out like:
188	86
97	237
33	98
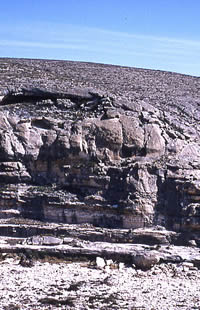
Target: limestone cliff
107	145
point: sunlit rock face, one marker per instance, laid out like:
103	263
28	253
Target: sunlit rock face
106	145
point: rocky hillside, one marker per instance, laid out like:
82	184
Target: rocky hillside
112	146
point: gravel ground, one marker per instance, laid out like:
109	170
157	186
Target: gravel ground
62	285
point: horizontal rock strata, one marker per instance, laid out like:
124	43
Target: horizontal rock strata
105	145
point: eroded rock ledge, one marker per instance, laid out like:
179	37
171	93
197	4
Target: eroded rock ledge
86	155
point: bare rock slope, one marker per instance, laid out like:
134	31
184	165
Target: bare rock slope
113	146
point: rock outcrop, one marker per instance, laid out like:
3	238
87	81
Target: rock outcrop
89	143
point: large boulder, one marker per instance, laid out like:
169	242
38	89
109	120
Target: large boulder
145	261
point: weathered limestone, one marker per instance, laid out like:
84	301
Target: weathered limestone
145	261
114	156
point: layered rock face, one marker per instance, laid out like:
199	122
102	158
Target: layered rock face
90	143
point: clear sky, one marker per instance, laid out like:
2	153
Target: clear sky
155	34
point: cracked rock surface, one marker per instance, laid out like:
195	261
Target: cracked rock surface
99	187
106	145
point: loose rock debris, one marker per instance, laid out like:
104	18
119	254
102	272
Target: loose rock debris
71	285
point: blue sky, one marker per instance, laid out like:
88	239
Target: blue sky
155	34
